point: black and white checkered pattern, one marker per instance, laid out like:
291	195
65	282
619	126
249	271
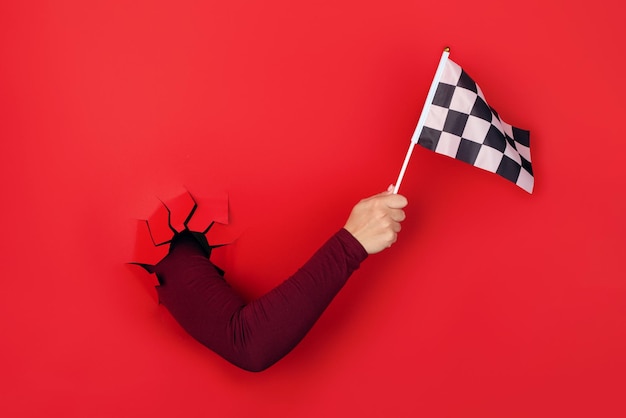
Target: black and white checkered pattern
461	124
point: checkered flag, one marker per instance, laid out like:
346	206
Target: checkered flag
457	121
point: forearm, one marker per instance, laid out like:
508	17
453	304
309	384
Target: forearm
274	324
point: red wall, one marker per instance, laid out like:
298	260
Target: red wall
494	302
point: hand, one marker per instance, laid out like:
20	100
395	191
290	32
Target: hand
375	221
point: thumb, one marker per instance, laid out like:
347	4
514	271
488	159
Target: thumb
387	192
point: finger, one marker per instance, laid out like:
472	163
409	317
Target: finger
397	215
396	201
393	240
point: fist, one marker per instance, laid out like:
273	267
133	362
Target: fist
375	221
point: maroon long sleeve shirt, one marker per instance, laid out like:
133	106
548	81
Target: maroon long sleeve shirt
257	334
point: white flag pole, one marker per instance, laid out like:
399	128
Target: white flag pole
403	169
423	115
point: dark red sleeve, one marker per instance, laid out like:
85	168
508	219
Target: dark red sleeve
252	335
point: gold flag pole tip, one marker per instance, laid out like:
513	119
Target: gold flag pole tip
446	49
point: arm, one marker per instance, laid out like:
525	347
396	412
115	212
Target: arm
255	335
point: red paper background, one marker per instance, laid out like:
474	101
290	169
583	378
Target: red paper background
494	303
